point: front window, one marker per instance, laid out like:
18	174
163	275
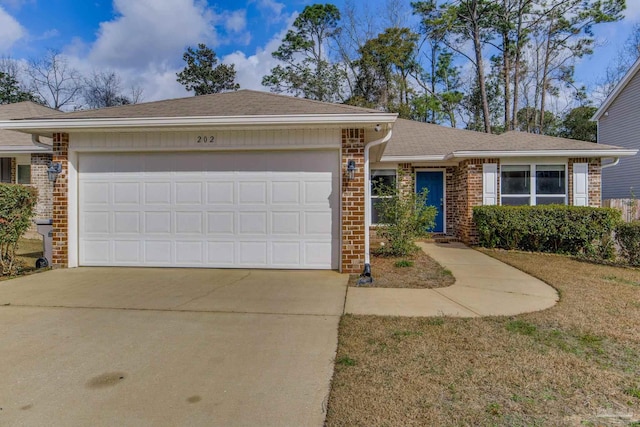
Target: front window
5	169
380	178
24	174
533	185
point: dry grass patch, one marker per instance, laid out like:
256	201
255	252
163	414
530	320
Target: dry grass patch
577	363
29	250
416	271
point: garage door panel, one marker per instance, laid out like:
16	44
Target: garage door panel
257	210
157	223
127	251
95	222
286	254
253	254
127	222
157	193
221	223
220	193
221	253
285	223
158	252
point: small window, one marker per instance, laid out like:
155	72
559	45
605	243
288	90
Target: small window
515	185
24	174
379	179
5	169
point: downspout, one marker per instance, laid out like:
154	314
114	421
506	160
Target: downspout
608	165
35	139
367	196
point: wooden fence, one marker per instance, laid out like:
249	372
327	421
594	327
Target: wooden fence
630	208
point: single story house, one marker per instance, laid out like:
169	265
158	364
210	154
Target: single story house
24	158
618	121
250	179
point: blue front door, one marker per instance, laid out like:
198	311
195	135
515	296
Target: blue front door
434	183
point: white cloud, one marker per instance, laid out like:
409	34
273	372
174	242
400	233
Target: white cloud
16	4
151	31
272	9
632	13
10	30
251	69
236	21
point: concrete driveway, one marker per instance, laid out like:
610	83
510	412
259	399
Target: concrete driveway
135	347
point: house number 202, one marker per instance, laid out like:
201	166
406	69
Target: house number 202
205	139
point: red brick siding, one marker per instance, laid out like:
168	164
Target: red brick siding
595	180
60	202
353	224
14	171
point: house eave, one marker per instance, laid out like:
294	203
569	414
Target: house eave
18	149
543	153
41	126
410	159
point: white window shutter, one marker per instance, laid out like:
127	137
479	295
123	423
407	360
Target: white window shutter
581	184
489	184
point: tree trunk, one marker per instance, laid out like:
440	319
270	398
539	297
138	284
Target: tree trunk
545	77
477	47
516	70
506	66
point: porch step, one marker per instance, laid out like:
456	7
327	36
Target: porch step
441	238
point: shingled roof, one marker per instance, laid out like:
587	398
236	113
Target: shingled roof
240	103
417	139
21	110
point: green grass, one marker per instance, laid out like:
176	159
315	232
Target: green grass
403	263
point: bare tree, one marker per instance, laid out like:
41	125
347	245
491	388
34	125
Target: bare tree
104	89
53	80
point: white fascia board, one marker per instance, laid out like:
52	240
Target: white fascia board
409	159
543	153
63	124
616	91
21	149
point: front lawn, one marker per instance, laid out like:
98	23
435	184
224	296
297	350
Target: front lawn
414	271
577	363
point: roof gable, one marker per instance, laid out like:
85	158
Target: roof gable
622	84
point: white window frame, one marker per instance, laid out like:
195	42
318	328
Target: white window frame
532	179
372	197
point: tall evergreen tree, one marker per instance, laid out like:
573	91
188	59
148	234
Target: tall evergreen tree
203	74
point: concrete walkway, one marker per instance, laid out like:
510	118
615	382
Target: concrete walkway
484	287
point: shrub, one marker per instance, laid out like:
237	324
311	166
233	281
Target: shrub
17	205
405	217
549	228
628	237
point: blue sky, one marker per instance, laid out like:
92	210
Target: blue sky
143	40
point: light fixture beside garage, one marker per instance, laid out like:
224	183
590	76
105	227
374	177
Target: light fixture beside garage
54	170
351	169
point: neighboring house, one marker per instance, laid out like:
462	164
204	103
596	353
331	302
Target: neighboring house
619	124
256	180
24	159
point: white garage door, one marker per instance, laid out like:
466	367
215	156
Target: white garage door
213	209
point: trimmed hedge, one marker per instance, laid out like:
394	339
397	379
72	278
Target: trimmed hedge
549	228
628	238
17	204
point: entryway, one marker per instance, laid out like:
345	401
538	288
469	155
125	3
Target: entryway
433	181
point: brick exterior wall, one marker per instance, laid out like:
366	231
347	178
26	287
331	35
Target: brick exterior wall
595	180
60	202
14	170
353	223
40	180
